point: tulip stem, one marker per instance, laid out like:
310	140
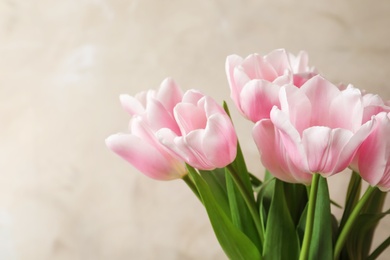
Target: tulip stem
192	186
249	202
351	221
310	218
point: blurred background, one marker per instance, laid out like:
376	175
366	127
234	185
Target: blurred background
63	195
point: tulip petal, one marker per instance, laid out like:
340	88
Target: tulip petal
279	60
374	153
256	67
257	99
189	148
346	110
158	117
189	117
210	106
323	147
299	63
143	156
219	141
320	93
274	155
231	63
296	105
169	94
353	145
192	96
290	138
131	105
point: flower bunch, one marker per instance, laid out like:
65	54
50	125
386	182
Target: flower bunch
306	129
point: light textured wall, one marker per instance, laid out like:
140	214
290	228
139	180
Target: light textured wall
63	195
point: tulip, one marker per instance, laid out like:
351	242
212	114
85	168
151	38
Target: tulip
373	104
208	139
150	111
317	129
372	160
255	81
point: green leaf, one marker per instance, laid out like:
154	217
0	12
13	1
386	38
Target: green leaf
321	244
240	213
296	199
235	244
239	162
352	197
256	182
264	199
281	240
360	238
216	181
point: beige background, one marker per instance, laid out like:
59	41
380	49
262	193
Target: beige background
63	195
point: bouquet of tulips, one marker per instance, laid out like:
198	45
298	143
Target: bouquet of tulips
306	129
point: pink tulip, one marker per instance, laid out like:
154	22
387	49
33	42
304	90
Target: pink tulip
373	104
317	129
255	81
208	139
150	111
373	157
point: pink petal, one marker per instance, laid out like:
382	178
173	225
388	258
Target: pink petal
353	145
320	93
192	96
158	117
257	99
346	110
210	106
290	138
169	94
188	148
131	105
299	63
189	117
258	68
374	153
144	157
274	155
231	63
323	147
279	61
195	142
295	104
219	142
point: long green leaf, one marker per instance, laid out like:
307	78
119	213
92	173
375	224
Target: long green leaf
321	245
235	244
281	240
217	184
239	162
296	199
352	197
359	240
240	213
264	199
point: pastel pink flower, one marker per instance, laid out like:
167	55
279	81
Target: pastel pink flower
150	111
372	160
207	139
255	81
373	105
317	129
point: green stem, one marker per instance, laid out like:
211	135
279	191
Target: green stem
249	200
350	221
192	186
310	218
